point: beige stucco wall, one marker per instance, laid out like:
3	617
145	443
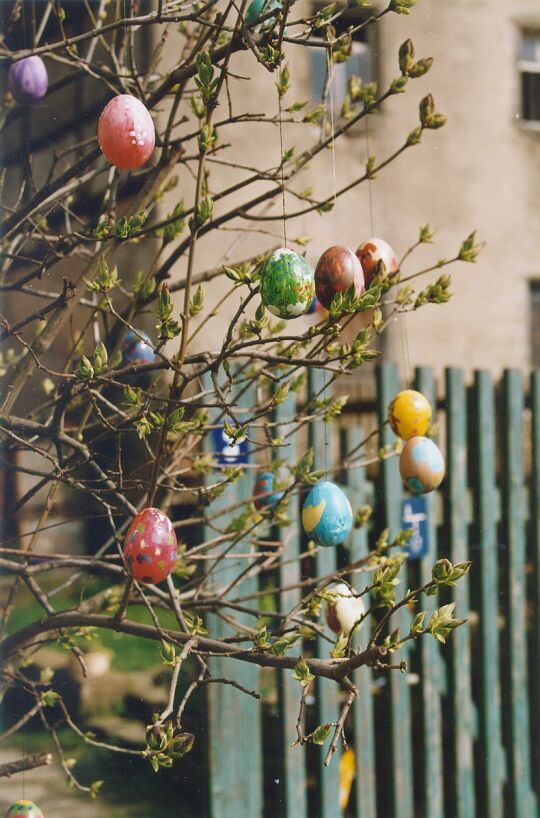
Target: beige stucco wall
481	171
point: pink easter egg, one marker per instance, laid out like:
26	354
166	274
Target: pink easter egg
126	132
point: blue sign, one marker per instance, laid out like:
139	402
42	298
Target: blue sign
414	514
227	452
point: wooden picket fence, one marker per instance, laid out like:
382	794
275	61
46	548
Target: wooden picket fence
458	735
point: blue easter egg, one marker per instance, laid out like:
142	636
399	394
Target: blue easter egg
258	8
137	349
263	485
327	515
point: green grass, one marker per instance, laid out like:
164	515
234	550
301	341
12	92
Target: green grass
129	653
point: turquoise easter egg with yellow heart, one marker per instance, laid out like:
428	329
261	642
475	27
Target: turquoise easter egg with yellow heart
327	516
24	809
287	284
264	495
421	465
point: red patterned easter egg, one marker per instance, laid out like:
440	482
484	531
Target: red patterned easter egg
371	252
126	133
337	270
150	546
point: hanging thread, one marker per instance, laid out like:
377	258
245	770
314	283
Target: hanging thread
330	70
407	376
370	189
282	172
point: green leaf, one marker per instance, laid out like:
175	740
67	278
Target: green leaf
302	673
197	302
469	251
84	371
100	358
321	733
143	427
174	419
281	393
49	698
283	81
442	622
340	646
132	396
417	625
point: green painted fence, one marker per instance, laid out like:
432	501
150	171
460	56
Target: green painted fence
458	735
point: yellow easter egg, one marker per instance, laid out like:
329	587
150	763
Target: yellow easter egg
409	414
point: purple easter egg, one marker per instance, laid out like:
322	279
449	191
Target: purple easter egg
27	79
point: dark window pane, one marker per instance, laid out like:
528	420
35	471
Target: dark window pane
530	84
535	323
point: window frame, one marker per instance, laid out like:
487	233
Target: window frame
527	67
366	46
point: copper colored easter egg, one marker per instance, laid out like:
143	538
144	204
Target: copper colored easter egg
371	252
126	132
337	271
421	465
409	414
28	80
150	546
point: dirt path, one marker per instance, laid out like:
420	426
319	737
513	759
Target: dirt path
45	786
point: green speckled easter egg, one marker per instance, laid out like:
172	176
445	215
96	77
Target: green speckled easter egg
24	809
287	284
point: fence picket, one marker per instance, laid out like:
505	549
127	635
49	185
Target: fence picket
522	800
363	720
534	530
294	758
387	381
476	784
485	502
235	777
325	563
457	514
430	656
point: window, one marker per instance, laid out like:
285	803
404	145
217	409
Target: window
358	64
535	323
529	68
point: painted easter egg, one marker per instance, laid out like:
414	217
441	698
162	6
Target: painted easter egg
421	465
287	284
28	80
24	808
337	270
371	252
327	515
126	132
409	414
263	486
150	546
345	611
137	349
260	8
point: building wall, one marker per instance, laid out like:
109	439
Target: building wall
481	171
